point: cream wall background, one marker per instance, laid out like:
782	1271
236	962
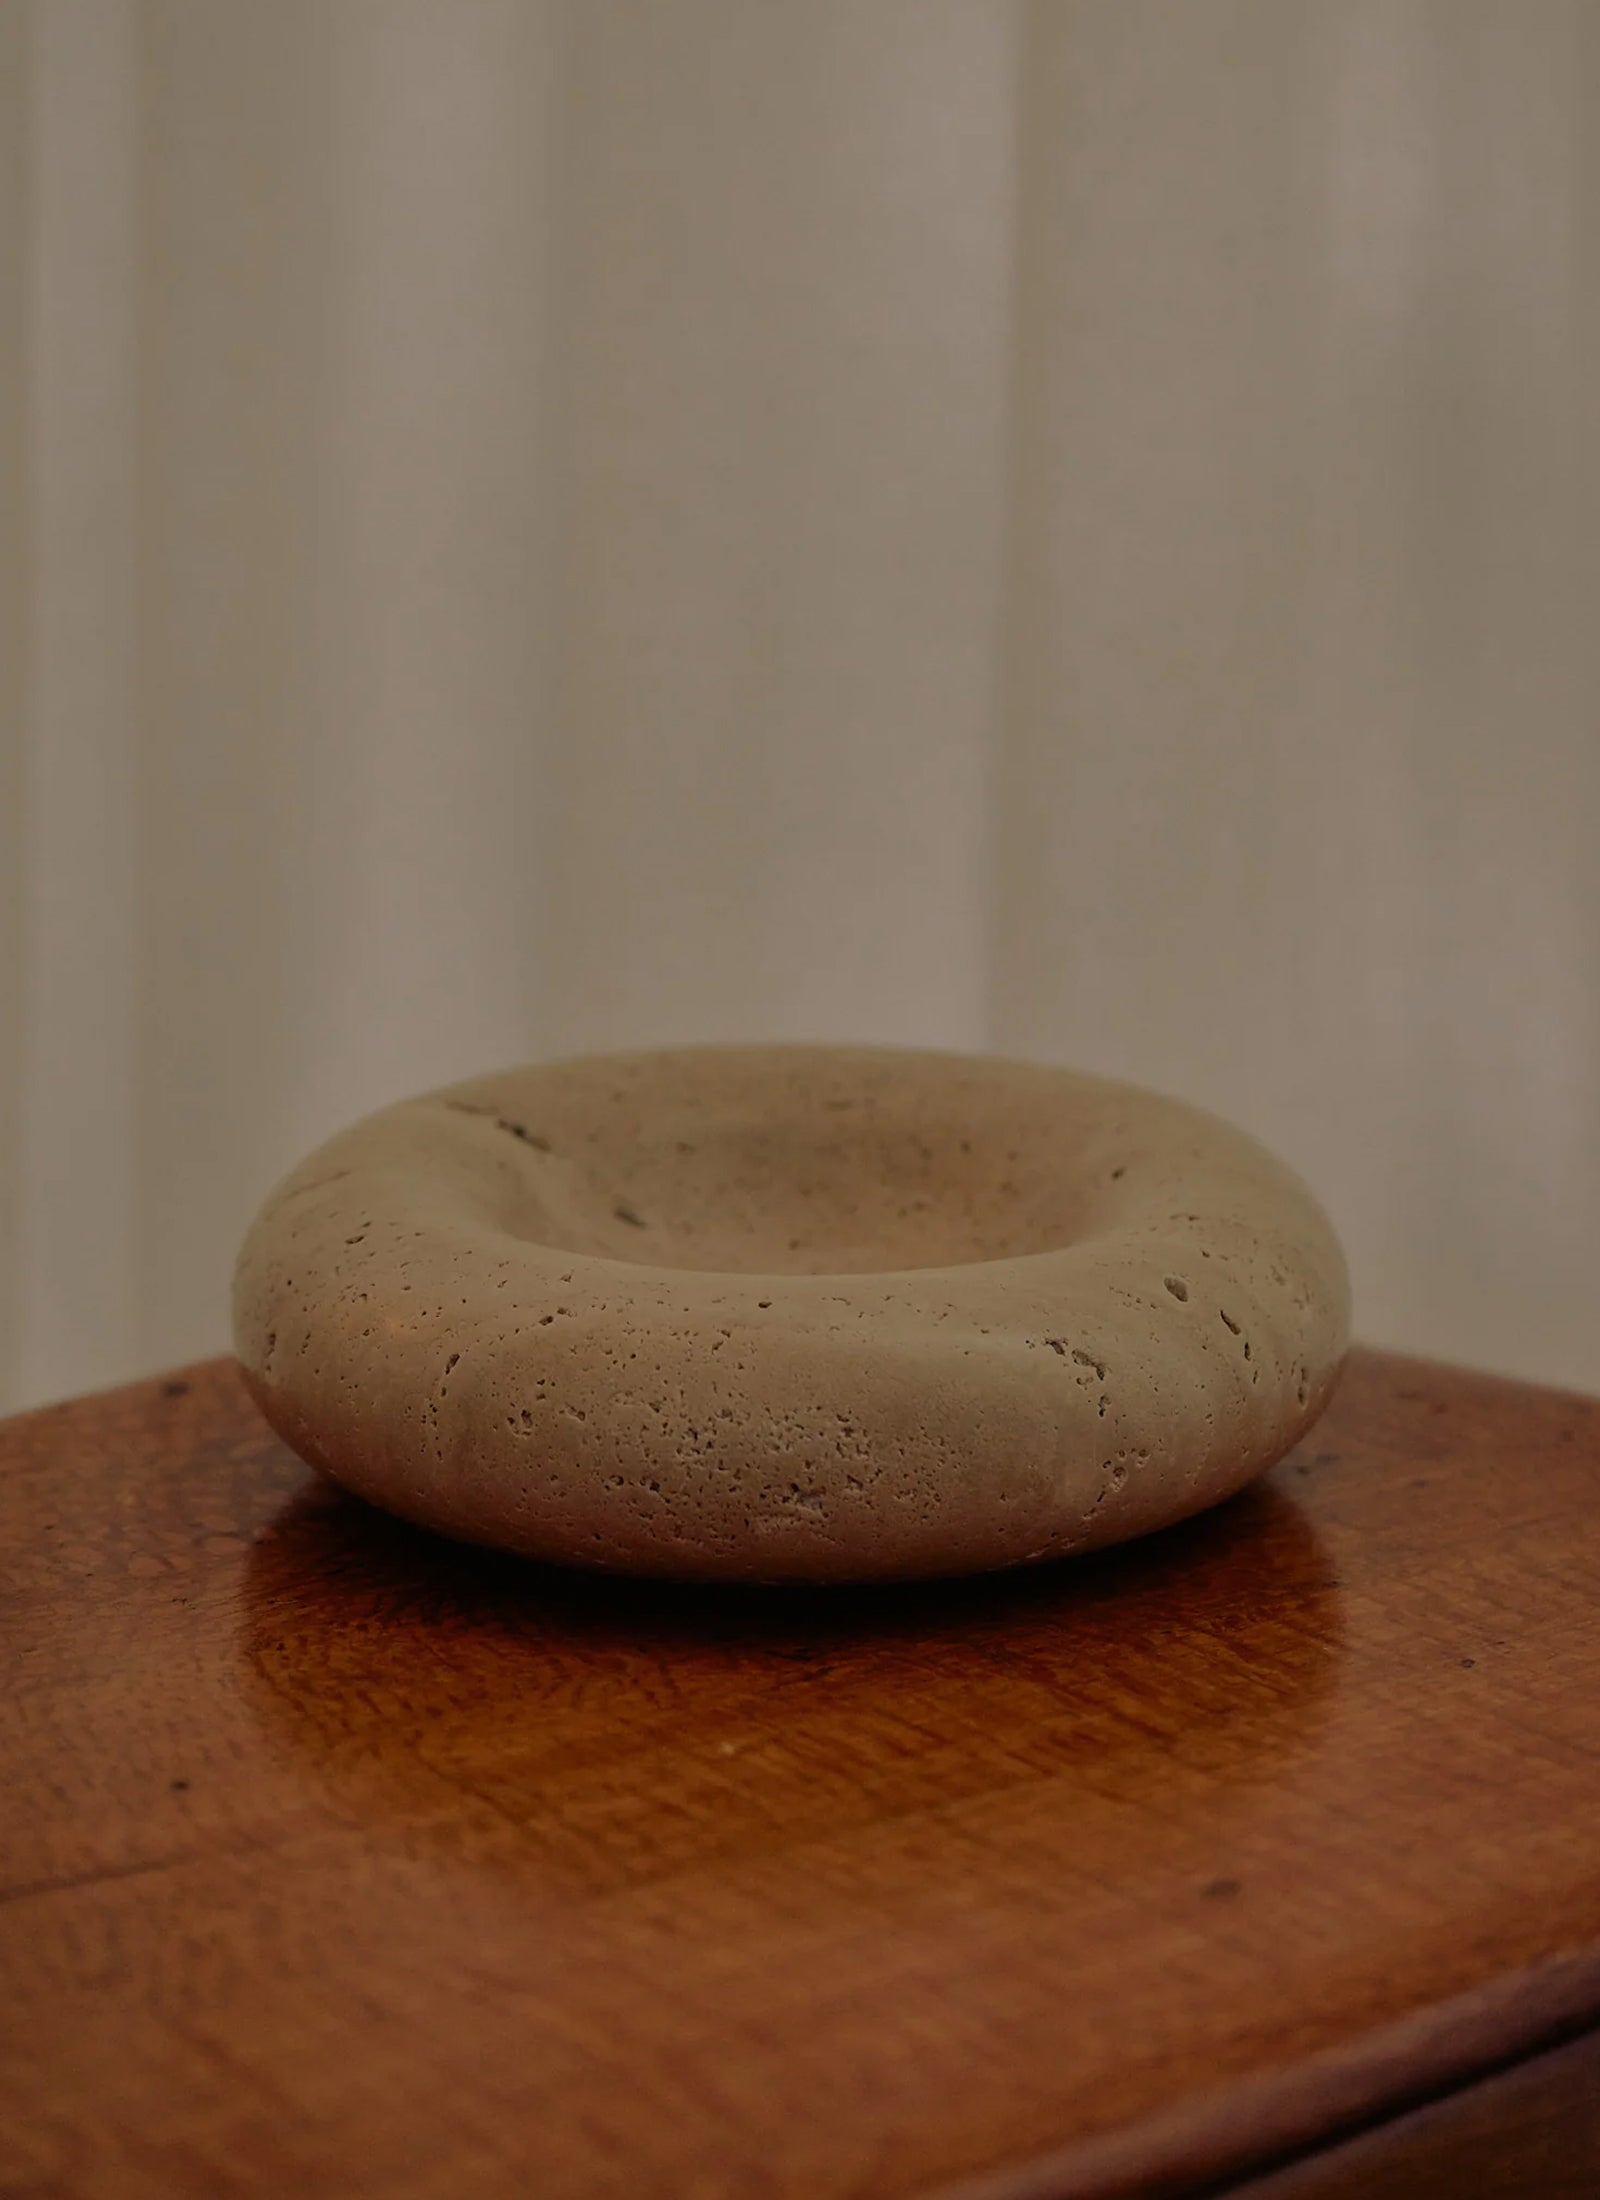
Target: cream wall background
530	526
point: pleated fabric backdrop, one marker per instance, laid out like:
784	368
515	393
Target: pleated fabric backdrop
531	526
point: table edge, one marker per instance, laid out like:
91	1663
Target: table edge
1238	2131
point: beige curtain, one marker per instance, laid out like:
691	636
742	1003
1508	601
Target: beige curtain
536	524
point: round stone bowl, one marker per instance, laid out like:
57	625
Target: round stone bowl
791	1313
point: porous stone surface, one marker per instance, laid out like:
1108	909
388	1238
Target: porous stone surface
791	1313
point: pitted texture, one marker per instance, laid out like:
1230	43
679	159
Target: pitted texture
791	1313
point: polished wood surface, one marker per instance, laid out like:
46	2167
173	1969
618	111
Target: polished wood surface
339	1861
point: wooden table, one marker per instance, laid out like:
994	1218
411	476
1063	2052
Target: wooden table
1262	1857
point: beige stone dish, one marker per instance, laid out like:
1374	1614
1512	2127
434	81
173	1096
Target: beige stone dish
791	1313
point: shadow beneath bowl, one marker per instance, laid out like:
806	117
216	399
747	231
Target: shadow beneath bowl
602	1730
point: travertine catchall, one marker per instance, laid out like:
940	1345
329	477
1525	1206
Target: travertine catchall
791	1313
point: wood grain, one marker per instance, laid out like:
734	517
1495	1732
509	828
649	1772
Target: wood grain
337	1860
